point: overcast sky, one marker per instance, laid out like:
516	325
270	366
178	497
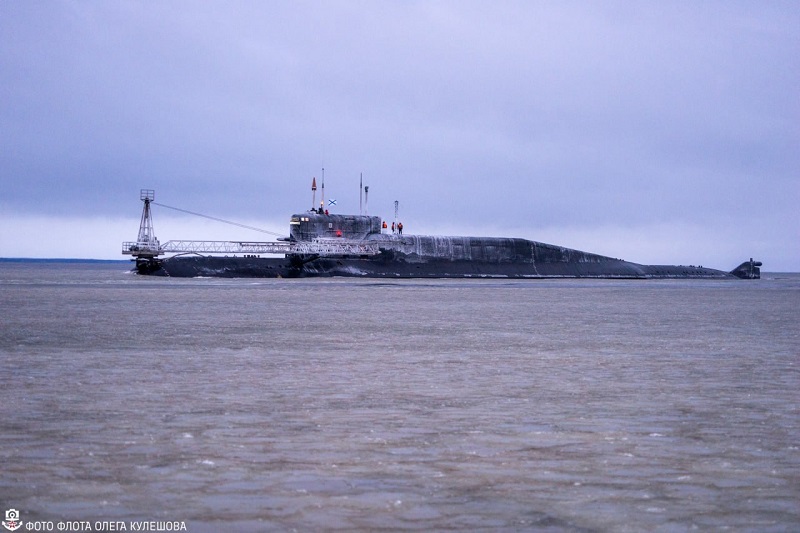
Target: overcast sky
658	132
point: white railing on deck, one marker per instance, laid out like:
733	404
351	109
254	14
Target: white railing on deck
320	247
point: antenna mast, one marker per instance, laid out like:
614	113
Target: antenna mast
313	193
366	200
396	204
361	193
322	203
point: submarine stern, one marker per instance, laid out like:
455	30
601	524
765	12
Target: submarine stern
748	270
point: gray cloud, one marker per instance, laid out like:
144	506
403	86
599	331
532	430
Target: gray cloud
510	115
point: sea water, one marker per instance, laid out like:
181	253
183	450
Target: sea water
435	405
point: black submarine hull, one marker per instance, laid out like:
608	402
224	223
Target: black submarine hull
240	267
440	257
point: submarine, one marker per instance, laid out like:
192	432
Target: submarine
321	244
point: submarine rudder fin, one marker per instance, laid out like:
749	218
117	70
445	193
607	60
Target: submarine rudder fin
748	270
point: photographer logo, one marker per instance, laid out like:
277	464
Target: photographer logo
12	521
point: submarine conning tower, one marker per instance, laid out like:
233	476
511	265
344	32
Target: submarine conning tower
313	225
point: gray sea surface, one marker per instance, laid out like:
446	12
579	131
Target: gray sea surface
435	405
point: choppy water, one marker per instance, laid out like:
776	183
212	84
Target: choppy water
344	405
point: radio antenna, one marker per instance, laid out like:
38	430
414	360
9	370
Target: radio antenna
313	193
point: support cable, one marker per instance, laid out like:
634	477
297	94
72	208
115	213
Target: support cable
220	220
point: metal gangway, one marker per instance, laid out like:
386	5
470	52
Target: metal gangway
319	247
147	245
